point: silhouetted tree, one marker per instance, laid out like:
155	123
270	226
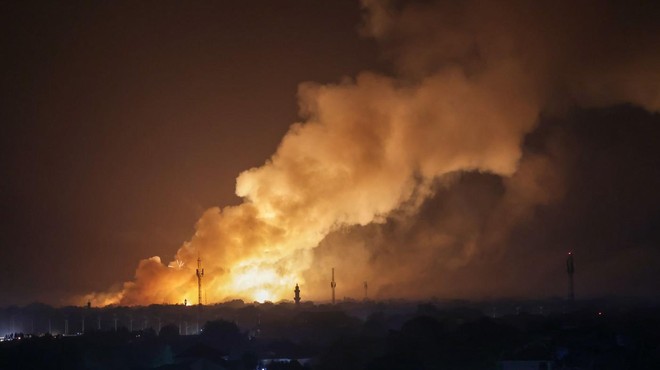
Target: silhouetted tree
221	333
169	333
285	365
249	360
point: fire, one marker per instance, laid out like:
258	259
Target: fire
374	145
262	296
253	282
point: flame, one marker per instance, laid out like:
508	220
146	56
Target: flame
263	295
259	284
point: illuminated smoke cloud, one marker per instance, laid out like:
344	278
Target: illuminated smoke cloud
473	79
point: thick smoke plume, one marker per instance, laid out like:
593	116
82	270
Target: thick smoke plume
472	80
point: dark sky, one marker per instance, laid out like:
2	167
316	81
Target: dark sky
122	122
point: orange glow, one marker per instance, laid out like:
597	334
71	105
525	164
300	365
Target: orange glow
260	284
263	295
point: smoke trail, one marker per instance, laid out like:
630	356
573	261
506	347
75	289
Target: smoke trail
473	79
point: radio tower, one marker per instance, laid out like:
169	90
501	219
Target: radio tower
366	287
200	275
333	285
570	269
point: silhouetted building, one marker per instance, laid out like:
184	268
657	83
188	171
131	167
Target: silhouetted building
296	297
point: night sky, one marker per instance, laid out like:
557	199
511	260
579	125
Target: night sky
482	144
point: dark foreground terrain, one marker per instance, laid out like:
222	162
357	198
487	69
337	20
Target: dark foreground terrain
603	334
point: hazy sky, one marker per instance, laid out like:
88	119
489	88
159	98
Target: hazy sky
514	134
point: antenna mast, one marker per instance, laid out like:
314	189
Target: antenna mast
570	269
333	285
200	275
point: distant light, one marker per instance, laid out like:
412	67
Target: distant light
600	313
262	296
